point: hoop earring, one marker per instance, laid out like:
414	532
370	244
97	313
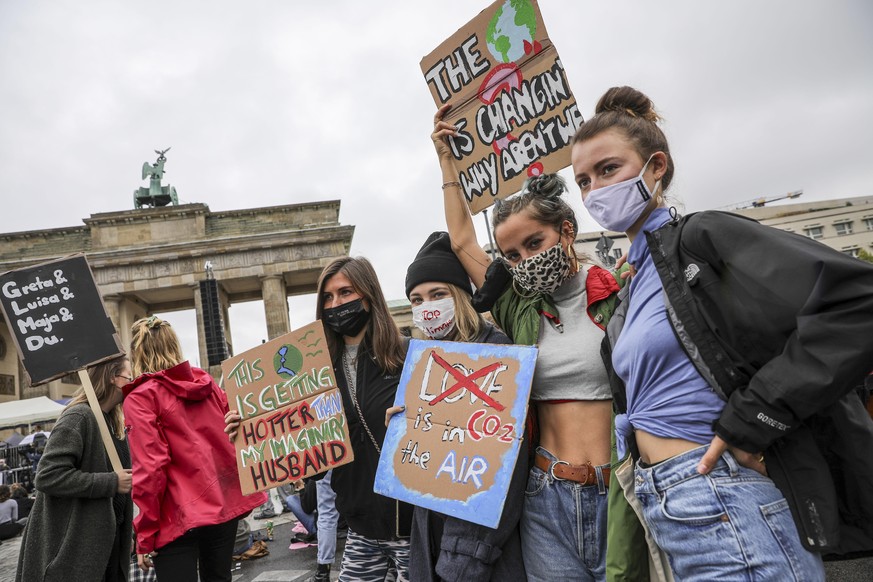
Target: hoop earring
575	258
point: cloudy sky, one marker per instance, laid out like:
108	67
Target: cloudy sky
271	102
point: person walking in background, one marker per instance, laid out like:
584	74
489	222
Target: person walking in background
185	478
444	547
738	348
80	524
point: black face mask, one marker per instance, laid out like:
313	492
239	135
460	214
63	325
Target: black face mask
348	319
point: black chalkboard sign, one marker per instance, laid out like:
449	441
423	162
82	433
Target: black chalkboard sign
57	318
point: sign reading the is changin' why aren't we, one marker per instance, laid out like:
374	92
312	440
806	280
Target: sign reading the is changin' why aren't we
293	423
454	448
510	97
57	318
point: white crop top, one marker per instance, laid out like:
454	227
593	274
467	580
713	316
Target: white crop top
569	366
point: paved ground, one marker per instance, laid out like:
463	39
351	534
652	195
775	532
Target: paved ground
284	565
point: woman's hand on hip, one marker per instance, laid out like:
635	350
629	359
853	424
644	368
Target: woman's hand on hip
754	461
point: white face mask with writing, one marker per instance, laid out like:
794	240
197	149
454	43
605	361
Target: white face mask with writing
435	318
618	206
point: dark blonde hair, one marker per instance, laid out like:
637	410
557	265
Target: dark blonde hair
102	376
154	346
382	337
468	322
633	114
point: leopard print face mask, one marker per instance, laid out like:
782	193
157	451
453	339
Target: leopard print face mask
543	272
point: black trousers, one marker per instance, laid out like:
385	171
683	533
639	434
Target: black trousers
208	549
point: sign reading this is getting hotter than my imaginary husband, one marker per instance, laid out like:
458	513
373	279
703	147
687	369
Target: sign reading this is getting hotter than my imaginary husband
293	423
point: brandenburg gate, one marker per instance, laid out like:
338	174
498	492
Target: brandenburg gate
153	258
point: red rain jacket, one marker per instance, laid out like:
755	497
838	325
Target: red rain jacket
184	467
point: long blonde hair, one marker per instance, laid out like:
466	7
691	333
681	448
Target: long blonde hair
382	338
154	346
468	323
102	377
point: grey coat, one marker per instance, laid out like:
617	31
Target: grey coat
71	529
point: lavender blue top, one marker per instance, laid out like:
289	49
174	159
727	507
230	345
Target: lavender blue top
666	396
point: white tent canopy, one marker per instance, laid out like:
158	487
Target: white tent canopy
29	411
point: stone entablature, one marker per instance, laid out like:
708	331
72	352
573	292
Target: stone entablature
152	260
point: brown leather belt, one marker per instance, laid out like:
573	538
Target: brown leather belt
583	474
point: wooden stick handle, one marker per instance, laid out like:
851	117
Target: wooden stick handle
101	422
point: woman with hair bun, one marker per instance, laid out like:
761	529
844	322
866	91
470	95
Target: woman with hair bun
185	480
738	346
540	292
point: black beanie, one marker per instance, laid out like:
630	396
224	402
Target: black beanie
437	262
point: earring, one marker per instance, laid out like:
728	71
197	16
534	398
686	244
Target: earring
575	258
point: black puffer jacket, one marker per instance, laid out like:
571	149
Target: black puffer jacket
782	327
369	514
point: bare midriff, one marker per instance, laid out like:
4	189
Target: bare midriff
654	449
576	432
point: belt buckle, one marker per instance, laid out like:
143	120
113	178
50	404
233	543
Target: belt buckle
552	470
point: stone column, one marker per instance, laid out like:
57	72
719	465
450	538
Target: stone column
201	334
275	305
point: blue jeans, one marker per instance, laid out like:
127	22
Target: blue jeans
732	524
563	528
328	517
307	519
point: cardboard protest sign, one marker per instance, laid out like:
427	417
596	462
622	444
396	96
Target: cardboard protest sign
57	318
510	97
293	423
59	323
454	448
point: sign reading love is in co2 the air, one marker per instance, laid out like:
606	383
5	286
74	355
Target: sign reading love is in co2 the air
454	448
57	318
510	97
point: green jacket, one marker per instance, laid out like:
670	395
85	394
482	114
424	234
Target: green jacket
519	316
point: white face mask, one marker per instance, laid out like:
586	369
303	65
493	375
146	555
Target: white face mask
618	206
435	318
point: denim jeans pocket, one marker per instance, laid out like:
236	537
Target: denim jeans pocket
692	502
536	481
778	517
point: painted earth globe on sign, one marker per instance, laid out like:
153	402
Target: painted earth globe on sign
287	361
512	25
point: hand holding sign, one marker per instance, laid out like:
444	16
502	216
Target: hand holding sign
512	112
287	419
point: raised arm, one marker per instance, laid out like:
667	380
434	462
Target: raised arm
458	220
